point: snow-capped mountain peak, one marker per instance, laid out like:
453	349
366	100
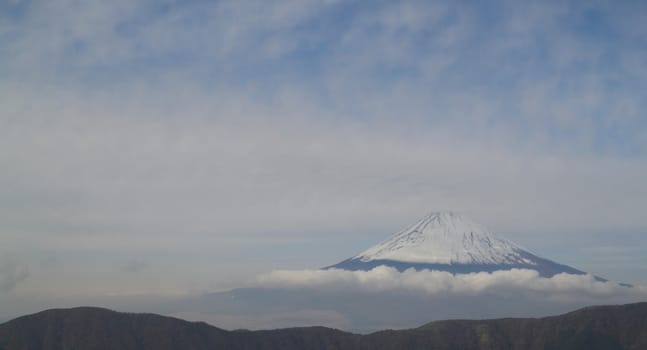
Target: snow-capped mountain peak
448	241
445	238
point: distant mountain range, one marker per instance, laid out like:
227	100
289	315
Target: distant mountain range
451	242
601	327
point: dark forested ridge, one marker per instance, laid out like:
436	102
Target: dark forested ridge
600	327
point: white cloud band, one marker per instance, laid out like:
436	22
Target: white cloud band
561	287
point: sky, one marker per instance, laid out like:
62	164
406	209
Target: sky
154	148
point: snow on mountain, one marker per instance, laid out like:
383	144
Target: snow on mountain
446	238
451	242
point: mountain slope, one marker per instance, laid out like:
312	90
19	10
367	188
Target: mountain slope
605	327
451	242
95	328
91	328
593	328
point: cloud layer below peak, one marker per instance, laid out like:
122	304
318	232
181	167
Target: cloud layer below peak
561	287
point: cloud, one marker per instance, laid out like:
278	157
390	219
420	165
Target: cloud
385	298
561	287
259	124
11	273
132	172
135	265
393	94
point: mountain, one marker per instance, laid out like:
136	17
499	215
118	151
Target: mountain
91	328
366	302
602	327
451	242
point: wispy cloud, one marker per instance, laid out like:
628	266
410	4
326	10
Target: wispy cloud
11	273
134	265
127	124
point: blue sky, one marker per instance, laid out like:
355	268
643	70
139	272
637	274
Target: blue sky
182	146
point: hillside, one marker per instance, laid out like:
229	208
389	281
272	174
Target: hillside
601	327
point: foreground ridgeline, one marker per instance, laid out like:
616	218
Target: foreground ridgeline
601	327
